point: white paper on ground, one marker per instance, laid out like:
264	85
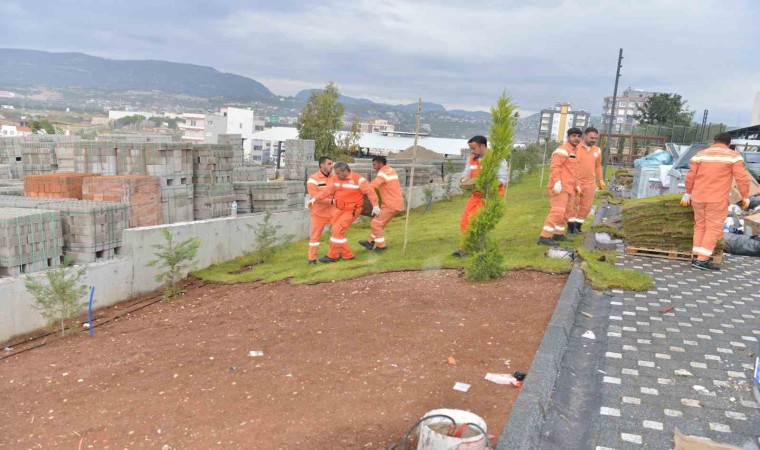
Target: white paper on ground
463	387
500	378
589	335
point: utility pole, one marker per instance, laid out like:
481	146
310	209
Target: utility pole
410	190
704	124
606	153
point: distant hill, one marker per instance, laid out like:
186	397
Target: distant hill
31	67
411	108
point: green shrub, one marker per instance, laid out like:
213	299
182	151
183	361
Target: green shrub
176	258
59	298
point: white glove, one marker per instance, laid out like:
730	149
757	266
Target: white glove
375	210
312	201
686	200
557	187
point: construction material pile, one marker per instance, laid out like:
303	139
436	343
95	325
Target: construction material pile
143	194
623	178
659	223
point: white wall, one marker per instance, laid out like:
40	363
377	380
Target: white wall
240	121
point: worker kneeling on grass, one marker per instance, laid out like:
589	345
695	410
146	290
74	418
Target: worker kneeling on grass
347	192
562	187
321	211
479	147
589	158
708	184
388	185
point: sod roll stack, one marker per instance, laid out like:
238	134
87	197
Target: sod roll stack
659	223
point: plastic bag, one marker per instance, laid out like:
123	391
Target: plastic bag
658	158
739	244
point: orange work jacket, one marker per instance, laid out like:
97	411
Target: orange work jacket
388	184
711	172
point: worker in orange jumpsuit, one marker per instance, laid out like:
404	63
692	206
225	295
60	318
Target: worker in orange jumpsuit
708	184
388	185
323	210
589	158
346	192
479	147
562	187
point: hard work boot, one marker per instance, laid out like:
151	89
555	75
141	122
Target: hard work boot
704	265
578	227
380	249
546	241
571	228
327	259
560	237
367	244
312	262
459	253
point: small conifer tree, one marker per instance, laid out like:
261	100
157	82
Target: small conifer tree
59	298
268	239
177	258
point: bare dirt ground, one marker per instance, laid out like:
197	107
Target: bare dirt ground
349	364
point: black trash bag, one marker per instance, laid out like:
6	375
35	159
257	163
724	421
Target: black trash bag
754	202
739	244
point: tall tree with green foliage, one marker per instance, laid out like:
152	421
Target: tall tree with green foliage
320	119
59	298
665	109
487	260
42	124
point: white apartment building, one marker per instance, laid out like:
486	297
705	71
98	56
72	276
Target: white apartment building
14	131
626	109
206	128
194	127
376	126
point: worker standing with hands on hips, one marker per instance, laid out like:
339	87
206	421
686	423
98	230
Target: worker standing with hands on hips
346	192
708	184
479	147
323	210
589	158
562	187
388	185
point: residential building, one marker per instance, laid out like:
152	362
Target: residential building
14	131
206	128
376	126
240	121
626	109
194	127
756	110
556	121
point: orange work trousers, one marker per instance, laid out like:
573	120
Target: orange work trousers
377	226
340	222
474	204
318	224
556	221
582	205
708	227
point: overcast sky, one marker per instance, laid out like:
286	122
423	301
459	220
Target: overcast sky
458	53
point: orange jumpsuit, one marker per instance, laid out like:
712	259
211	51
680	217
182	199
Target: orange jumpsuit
348	201
393	202
589	173
322	210
563	168
476	201
708	181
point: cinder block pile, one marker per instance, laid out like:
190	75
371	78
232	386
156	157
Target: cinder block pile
12	187
55	185
142	192
236	141
259	196
91	230
5	172
38	157
249	173
10	155
30	240
95	157
299	154
213	191
64	155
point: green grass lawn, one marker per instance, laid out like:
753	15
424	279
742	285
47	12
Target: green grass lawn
432	238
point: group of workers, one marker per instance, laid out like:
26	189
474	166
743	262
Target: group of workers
575	174
337	197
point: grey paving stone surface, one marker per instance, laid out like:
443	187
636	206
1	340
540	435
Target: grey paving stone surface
628	393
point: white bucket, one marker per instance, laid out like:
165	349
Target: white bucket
431	439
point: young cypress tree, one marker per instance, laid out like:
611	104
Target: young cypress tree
487	260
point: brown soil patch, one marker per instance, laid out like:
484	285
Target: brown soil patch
346	364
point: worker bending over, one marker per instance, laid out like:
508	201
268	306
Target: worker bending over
479	147
323	210
708	184
389	187
589	158
562	187
346	191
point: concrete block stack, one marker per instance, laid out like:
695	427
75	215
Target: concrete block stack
5	172
213	191
142	192
92	231
95	157
38	157
64	155
10	155
269	196
249	173
298	155
236	141
12	187
55	185
30	240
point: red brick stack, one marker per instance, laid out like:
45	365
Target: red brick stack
143	193
55	185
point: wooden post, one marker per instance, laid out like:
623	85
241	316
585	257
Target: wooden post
410	190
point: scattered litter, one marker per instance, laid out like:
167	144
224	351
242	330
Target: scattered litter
255	353
606	239
587	314
560	253
234	368
684	373
699	388
501	378
589	335
520	375
666	309
452	361
8	349
507	362
462	387
86	325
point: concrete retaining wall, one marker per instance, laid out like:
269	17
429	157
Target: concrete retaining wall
116	280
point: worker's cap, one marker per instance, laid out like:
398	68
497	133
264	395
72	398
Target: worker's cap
574	130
